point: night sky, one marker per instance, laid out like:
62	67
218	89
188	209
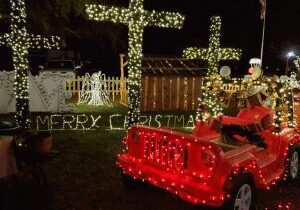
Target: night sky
241	28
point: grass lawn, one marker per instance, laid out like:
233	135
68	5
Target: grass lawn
84	177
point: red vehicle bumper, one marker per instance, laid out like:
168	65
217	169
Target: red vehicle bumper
189	188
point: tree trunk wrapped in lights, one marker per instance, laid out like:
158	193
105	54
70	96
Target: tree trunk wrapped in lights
137	19
20	41
213	55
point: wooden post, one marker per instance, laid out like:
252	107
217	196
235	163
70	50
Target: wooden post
65	84
185	107
193	94
177	92
146	93
123	90
78	97
154	92
112	84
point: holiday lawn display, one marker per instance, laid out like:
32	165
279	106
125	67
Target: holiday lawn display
94	90
225	158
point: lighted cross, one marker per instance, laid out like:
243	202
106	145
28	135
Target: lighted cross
214	53
20	41
137	19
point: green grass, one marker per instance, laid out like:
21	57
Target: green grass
85	167
113	108
85	177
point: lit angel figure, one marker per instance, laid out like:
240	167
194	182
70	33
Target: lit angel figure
94	90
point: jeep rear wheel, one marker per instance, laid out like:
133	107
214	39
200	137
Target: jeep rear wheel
243	198
294	166
242	193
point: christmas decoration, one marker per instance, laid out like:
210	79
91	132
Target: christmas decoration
94	90
203	168
214	53
255	62
286	87
137	19
20	41
117	121
209	97
225	71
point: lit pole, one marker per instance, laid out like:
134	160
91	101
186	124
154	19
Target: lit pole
288	56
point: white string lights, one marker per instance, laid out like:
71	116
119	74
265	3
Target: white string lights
137	19
94	90
20	41
286	85
77	122
214	53
209	101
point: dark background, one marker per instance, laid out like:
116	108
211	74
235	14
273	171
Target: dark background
101	43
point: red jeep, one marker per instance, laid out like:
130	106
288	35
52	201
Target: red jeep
221	163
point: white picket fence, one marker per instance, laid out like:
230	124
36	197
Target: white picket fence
117	91
113	86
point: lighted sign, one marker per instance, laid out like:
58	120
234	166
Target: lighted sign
112	122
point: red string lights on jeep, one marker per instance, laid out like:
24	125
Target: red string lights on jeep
226	157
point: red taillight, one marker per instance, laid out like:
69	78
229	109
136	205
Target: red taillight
209	158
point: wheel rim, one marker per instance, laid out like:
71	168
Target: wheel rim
294	168
243	198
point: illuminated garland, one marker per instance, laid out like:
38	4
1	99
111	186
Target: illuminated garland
20	41
137	19
280	92
209	98
287	97
214	53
